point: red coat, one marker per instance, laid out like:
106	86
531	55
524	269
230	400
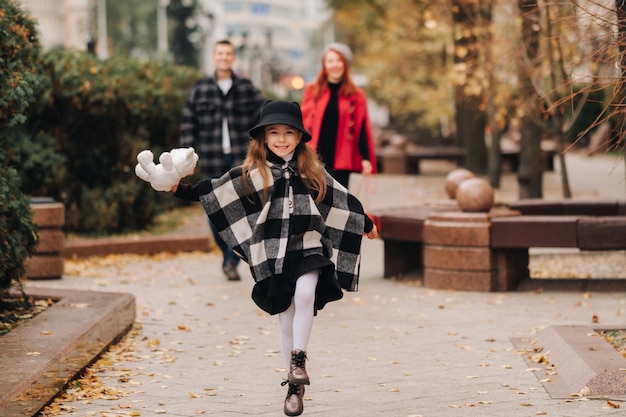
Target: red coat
352	116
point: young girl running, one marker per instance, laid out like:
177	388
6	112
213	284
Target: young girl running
298	229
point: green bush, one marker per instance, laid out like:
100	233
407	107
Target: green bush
35	156
18	237
19	49
101	113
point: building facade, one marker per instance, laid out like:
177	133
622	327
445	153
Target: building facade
276	40
61	22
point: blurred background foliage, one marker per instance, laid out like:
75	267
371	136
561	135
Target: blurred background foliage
89	120
72	124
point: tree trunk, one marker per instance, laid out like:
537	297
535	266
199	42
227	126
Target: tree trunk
494	166
496	123
470	121
468	17
558	116
529	174
530	171
560	141
620	122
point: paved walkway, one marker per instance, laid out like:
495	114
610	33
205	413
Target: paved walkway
201	347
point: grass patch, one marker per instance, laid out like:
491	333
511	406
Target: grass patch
164	223
616	338
14	310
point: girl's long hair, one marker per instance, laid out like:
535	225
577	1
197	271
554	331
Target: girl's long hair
321	81
310	168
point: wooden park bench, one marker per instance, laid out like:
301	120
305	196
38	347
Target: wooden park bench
395	161
392	160
442	153
509	154
518	234
489	251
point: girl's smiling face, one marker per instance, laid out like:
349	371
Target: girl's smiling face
282	139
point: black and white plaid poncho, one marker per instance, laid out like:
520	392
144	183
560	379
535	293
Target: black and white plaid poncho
263	234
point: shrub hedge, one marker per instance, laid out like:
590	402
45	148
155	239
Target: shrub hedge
19	49
100	114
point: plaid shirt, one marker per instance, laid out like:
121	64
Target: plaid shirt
204	111
262	234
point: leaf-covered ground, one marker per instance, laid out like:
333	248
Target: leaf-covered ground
92	387
15	310
617	339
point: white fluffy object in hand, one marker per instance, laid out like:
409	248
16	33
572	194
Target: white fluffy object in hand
173	166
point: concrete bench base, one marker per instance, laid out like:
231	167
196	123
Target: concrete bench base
401	230
47	261
458	254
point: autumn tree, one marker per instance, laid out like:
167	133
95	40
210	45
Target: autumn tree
530	172
619	98
568	66
132	28
185	38
403	47
621	91
427	62
470	31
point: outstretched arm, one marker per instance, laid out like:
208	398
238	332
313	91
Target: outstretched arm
372	234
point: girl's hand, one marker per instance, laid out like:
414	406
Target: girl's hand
366	167
372	234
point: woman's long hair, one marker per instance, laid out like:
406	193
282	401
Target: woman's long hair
310	168
321	81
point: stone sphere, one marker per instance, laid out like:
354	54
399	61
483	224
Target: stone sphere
456	177
398	142
475	195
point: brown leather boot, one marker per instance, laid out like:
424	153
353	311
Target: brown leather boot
297	369
293	402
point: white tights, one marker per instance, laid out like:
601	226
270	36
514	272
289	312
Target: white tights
297	321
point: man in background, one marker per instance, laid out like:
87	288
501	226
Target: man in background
218	113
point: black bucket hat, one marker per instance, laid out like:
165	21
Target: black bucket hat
280	113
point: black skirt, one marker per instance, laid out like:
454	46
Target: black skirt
274	295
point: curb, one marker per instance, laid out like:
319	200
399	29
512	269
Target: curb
36	362
576	358
148	245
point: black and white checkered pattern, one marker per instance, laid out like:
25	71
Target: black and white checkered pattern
201	125
262	234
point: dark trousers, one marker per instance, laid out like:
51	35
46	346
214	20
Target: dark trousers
343	177
229	255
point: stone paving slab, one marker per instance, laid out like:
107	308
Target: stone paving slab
394	348
43	354
201	347
586	362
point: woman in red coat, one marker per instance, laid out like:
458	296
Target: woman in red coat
335	112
